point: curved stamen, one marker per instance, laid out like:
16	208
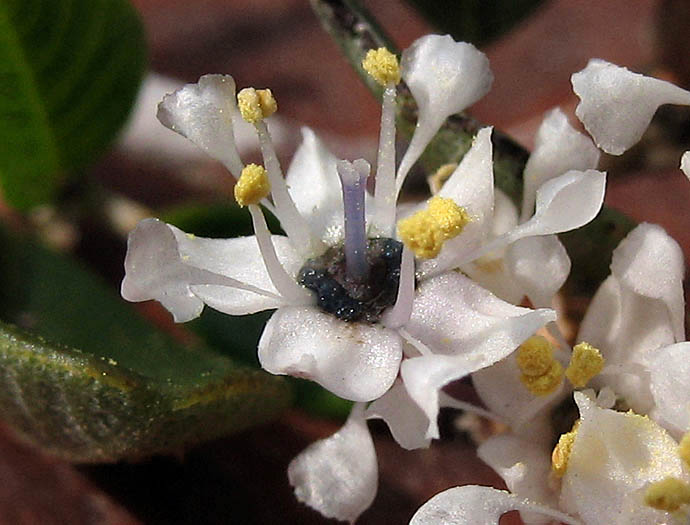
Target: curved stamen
296	227
353	177
447	401
286	285
416	343
384	192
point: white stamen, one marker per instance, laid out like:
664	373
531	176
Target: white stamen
450	402
385	193
286	285
421	347
296	227
400	314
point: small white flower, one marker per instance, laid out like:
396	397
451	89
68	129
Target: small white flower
355	311
636	321
613	463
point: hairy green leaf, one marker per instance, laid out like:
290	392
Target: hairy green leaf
69	72
86	379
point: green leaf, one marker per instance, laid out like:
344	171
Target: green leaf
69	73
355	31
92	381
476	21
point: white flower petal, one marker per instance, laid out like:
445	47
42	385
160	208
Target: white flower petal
203	112
164	263
338	476
626	327
494	275
650	263
602	321
355	361
406	420
469	327
540	265
314	186
445	77
234	301
637	310
558	149
477	505
614	455
505	214
501	390
471	186
685	164
525	467
490	271
617	105
455	316
237	257
670	385
565	202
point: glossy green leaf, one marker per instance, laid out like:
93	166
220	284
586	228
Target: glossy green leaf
69	72
85	378
355	31
476	21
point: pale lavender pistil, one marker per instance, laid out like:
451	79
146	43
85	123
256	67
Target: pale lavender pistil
353	177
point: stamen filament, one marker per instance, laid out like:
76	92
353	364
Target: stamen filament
447	401
291	220
286	285
384	192
400	314
353	178
416	343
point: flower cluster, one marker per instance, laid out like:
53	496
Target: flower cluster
385	305
613	465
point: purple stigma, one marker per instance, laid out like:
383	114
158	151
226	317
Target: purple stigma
353	177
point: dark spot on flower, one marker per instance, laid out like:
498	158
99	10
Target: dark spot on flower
351	300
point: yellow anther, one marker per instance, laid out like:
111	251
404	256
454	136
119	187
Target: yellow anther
585	363
252	185
534	356
544	384
669	494
382	65
256	104
425	232
561	452
442	174
541	372
684	449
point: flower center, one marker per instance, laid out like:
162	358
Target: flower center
353	299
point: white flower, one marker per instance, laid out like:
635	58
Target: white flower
354	311
613	464
636	321
537	266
